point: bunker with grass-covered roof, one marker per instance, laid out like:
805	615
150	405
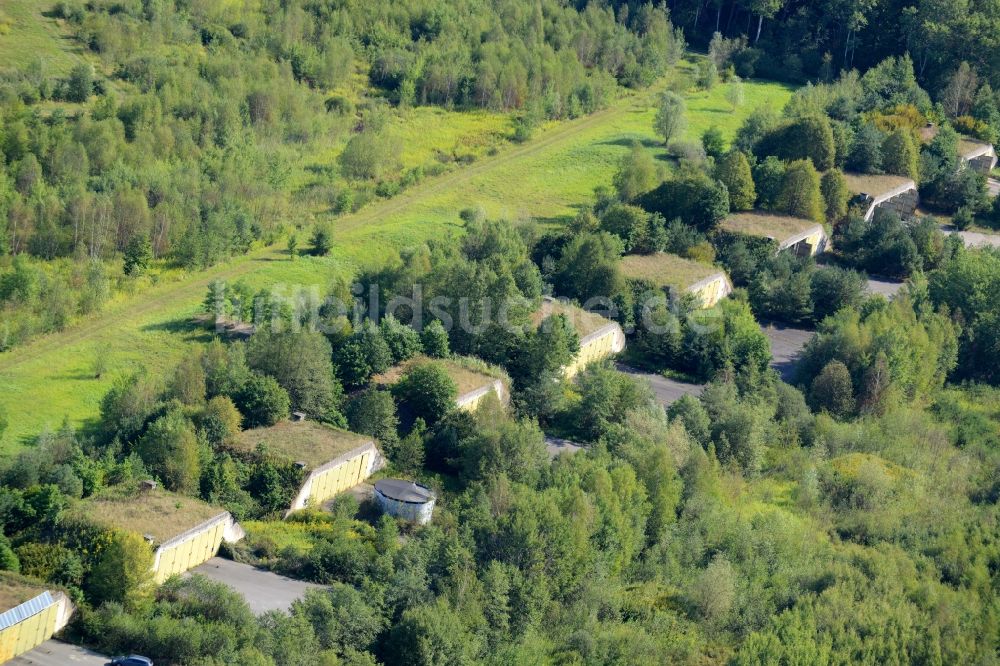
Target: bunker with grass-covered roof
474	378
804	238
332	460
599	337
182	530
678	276
30	613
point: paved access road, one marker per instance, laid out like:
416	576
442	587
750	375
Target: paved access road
57	653
973	238
786	347
264	590
885	286
977	239
666	390
993	186
557	445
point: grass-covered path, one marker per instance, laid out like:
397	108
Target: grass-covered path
547	178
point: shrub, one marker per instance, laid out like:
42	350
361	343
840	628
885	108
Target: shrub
733	171
427	391
833	186
122	571
800	191
695	198
832	390
170	449
262	401
713	142
435	340
368	156
636	174
809	137
322	239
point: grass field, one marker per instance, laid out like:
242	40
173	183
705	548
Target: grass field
26	36
547	179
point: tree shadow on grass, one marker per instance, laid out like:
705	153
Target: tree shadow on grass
193	330
626	142
558	220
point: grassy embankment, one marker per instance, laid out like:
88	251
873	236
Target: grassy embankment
548	178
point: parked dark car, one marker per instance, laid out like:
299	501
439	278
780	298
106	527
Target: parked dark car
131	660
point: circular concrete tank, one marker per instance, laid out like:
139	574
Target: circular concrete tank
405	499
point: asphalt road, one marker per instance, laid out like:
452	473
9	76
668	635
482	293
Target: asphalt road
973	238
556	445
786	347
57	653
993	186
884	286
263	590
666	390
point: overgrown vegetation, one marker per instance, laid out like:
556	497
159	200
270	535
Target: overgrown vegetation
848	518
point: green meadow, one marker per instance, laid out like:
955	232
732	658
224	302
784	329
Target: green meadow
28	36
547	179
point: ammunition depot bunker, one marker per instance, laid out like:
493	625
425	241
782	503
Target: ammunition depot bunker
678	275
29	614
977	155
599	337
183	531
895	193
804	238
333	460
474	378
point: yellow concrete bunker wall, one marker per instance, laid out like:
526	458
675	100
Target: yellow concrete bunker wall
594	350
470	404
347	474
712	292
189	553
28	634
815	241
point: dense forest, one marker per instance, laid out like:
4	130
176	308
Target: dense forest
183	135
815	40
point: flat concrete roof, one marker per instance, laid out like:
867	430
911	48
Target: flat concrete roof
404	491
310	442
159	513
767	225
667	270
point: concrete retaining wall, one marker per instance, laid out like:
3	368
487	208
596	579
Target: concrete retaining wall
336	476
808	243
32	623
195	546
599	345
712	289
982	160
469	401
903	200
